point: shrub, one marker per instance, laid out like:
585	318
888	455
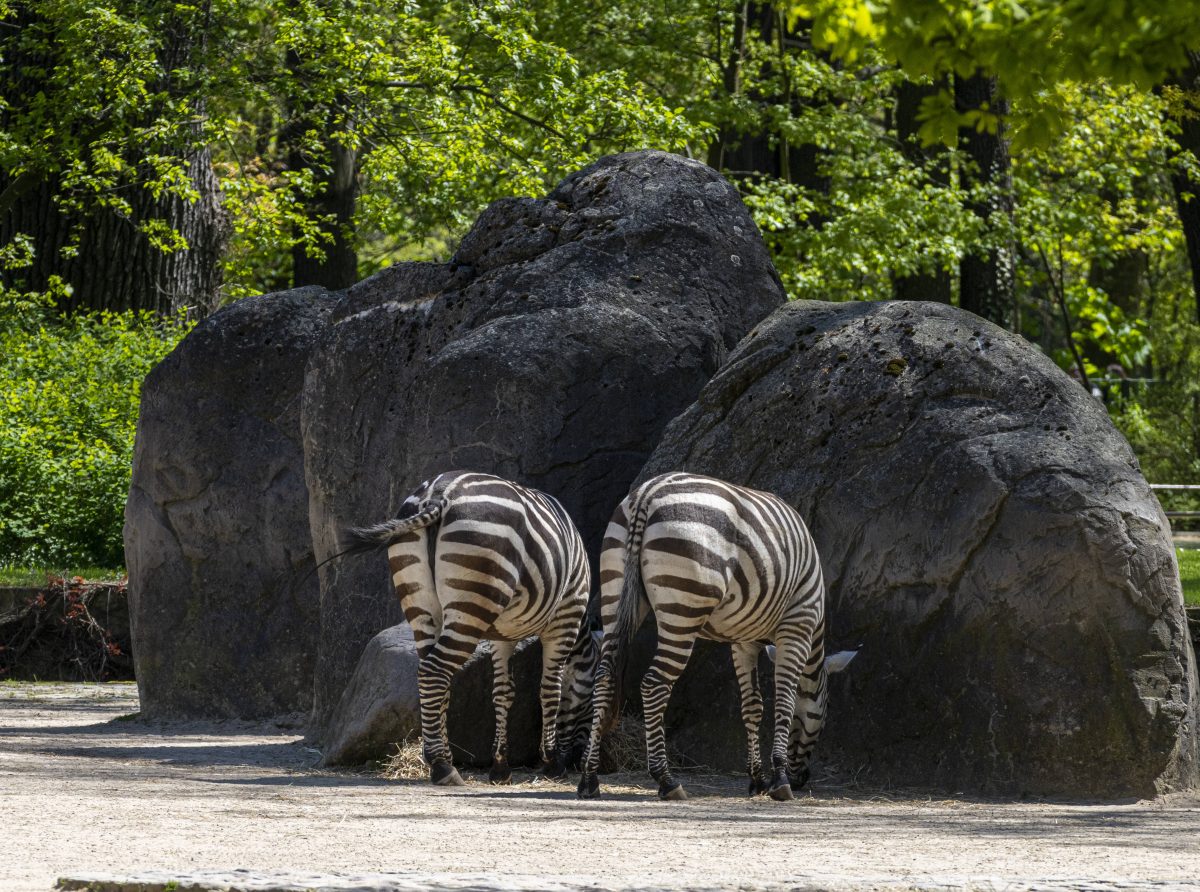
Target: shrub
69	390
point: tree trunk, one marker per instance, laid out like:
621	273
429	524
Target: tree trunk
936	286
116	267
986	277
334	207
1187	190
337	171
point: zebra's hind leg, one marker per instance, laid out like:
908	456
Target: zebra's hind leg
791	654
745	666
434	672
502	699
557	641
665	669
811	696
602	702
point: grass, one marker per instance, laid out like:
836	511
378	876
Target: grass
32	577
1189	574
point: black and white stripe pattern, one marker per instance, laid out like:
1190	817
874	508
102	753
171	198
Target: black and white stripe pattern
476	557
727	563
575	708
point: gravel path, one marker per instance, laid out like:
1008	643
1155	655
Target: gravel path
124	805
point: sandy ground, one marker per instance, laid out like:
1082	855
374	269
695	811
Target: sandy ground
83	789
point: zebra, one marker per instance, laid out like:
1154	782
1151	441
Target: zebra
723	562
575	708
476	557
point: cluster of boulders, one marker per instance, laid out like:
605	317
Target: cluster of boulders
988	543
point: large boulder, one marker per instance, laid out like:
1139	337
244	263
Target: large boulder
987	538
223	601
552	349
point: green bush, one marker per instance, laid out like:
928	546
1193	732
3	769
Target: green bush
69	390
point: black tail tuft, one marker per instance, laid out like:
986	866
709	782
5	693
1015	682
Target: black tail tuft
358	540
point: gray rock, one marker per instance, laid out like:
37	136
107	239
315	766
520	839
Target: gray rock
224	608
552	350
986	537
380	707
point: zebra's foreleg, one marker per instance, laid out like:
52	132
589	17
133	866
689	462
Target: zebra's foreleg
502	699
434	673
811	696
745	666
666	667
602	702
791	653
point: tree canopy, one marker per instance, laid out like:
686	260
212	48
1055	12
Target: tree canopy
1031	46
319	141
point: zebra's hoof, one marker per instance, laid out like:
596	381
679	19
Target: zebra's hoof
672	794
781	793
443	774
589	787
757	786
500	773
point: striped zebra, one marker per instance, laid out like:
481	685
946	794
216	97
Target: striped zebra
475	557
575	708
727	563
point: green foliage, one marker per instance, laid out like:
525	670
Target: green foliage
875	211
93	99
1032	46
1095	200
446	106
69	391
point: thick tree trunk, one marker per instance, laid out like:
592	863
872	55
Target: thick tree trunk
937	286
103	256
1187	190
116	267
986	278
337	171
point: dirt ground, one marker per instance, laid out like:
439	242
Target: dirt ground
83	789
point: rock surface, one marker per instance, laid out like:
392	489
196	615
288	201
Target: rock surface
552	350
223	605
986	537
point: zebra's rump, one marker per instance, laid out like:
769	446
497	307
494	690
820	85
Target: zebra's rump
739	559
503	557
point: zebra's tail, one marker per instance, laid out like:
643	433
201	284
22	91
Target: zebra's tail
629	612
633	589
360	539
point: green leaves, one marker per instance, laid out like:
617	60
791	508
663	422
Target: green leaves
447	106
1032	46
69	391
